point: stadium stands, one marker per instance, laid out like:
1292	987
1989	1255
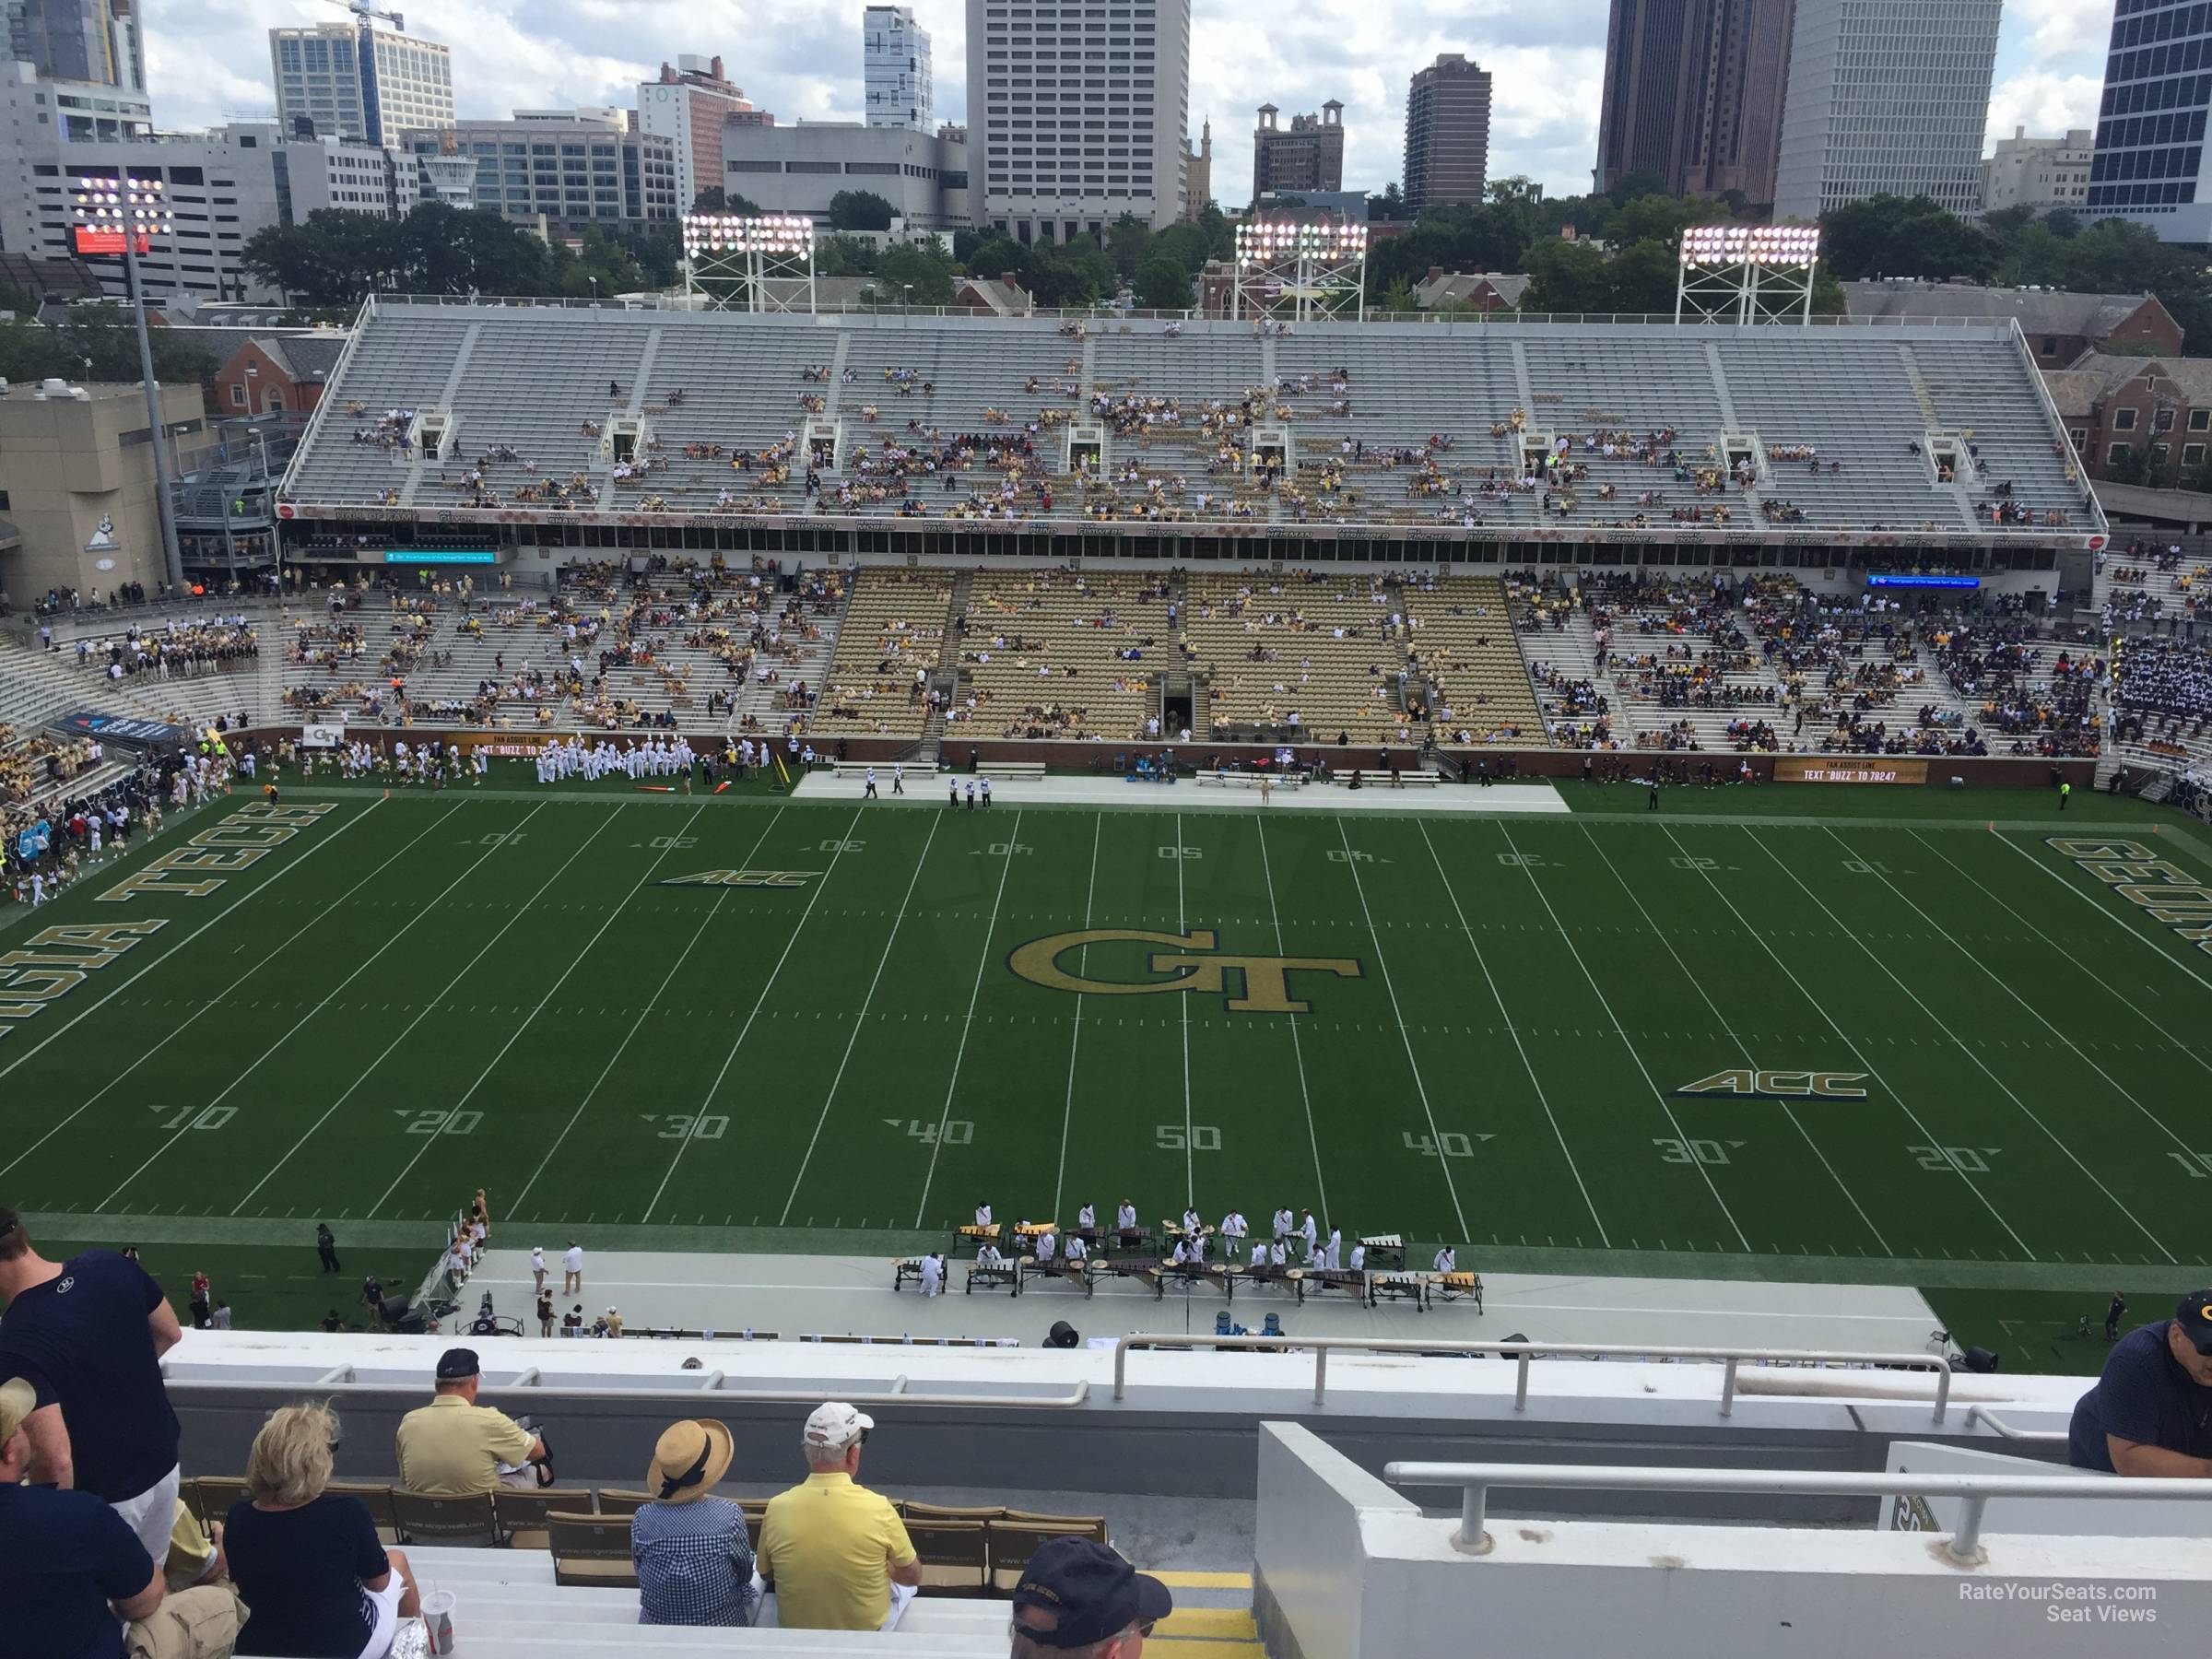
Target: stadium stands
558	410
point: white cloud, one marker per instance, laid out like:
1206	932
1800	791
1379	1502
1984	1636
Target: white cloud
2045	103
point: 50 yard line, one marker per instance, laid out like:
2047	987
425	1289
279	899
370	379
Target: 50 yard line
1298	1049
983	962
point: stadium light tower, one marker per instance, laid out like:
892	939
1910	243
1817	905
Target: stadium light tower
1747	273
120	216
743	261
1314	270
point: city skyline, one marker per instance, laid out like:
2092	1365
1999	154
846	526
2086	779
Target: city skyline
207	65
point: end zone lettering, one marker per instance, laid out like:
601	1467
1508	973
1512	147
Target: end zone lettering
206	860
2163	891
54	961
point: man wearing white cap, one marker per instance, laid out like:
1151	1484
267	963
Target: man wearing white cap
836	1552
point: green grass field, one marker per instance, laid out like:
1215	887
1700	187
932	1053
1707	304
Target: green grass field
508	988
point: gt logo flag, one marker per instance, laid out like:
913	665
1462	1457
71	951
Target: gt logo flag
1781	1085
1250	984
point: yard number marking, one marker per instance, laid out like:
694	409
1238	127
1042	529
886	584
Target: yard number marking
1203	1137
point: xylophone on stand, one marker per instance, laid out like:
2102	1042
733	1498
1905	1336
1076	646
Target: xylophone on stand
1451	1286
1029	1269
1385	1250
1318	1279
972	1238
1398	1287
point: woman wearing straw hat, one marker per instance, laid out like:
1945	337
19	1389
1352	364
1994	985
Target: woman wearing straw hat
693	1555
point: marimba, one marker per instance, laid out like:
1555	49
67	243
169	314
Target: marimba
1029	1267
1451	1286
974	1238
1318	1279
991	1277
905	1268
1402	1286
1380	1246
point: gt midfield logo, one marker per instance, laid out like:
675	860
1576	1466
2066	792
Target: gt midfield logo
1262	983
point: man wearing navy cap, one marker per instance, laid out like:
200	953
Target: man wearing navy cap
453	1447
2150	1413
1078	1598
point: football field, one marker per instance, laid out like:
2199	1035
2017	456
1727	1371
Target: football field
1792	1035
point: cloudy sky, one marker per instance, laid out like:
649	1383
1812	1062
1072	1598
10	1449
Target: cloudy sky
801	58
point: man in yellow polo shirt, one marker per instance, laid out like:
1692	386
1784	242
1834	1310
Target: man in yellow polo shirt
837	1553
452	1446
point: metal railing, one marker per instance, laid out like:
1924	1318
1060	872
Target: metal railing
1999	1427
1522	1353
1964	1545
345	1379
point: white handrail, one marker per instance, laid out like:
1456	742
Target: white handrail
1524	1351
1997	1425
1964	1545
897	1393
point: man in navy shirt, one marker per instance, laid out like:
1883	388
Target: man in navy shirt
87	1335
2150	1413
72	1574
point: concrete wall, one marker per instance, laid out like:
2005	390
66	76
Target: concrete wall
62	465
1342	1570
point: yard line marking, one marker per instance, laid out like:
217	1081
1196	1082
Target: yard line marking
2097	980
1190	1171
1526	1065
1405	1035
1949	938
359	968
983	961
1850	1043
164	1042
857	1025
635	1025
1649	1082
2089	900
429	1006
1963	1048
1743	1045
515	1036
691	1133
1075	1035
1298	1047
236	905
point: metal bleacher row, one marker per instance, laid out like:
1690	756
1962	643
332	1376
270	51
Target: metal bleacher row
551	384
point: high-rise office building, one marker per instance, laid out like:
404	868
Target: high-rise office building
1306	155
2150	163
365	82
1447	133
1076	117
1693	92
1886	98
98	42
690	106
894	65
569	167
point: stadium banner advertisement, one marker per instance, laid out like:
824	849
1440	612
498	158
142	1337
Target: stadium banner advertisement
1807	768
120	729
322	737
1923	582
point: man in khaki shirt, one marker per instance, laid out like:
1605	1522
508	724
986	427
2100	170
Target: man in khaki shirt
453	1447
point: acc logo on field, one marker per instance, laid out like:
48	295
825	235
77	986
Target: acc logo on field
1262	981
1781	1085
743	878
